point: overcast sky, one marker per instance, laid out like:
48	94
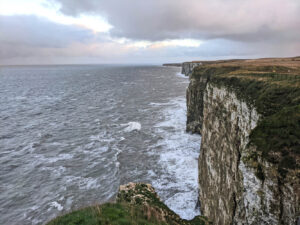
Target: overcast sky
152	31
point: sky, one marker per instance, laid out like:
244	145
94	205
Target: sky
146	32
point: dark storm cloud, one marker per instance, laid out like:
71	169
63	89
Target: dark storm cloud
247	20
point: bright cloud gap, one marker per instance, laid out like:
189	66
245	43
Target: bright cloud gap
161	44
52	12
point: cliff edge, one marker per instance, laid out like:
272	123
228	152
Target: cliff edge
248	113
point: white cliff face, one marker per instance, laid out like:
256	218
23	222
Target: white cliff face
238	111
266	201
227	123
230	191
257	199
187	67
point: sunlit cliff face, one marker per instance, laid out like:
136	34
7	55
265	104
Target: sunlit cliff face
132	31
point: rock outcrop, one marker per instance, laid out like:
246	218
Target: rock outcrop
144	196
245	176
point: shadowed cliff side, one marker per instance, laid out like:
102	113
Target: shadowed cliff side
248	112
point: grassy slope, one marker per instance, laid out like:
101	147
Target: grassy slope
273	87
137	205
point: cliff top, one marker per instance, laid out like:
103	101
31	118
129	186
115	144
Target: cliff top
272	86
280	71
288	62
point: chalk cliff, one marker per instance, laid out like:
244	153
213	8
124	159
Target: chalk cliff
248	113
187	67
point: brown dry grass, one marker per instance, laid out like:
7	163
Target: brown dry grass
292	62
279	71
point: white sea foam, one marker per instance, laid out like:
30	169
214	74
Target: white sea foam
56	171
101	137
59	157
92	151
68	203
131	126
57	205
182	75
56	144
84	183
29	148
158	104
44	159
151	173
96	137
178	158
187	210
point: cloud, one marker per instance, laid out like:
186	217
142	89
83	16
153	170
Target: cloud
247	20
32	38
39	32
153	31
28	39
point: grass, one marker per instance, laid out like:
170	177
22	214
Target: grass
109	213
136	205
273	87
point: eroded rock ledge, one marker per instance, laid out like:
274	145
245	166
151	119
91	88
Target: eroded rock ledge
248	113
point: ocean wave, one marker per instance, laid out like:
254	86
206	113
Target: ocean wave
182	75
131	126
57	205
84	183
158	104
59	157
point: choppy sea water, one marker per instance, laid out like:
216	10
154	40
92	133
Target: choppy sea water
70	135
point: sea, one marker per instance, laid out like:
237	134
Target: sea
71	134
